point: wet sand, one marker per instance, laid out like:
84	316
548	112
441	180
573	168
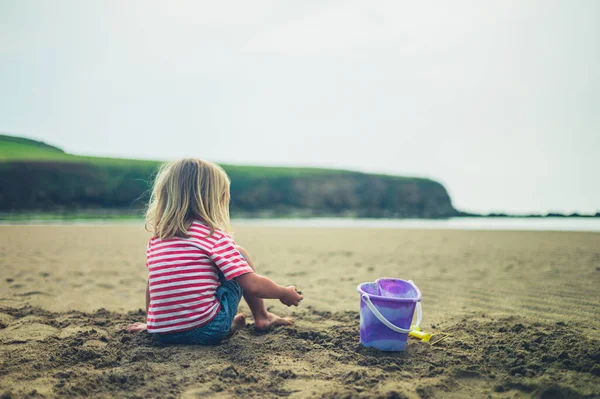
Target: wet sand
520	310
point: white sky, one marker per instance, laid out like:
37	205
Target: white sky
498	100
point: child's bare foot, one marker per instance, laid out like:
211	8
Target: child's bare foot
270	321
239	322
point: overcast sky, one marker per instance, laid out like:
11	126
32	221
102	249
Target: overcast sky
498	100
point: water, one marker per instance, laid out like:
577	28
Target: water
519	224
463	223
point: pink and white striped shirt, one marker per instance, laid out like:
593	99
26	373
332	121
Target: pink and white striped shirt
183	277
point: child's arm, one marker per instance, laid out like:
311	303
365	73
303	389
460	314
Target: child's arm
228	259
264	287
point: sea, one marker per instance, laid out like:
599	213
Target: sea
462	223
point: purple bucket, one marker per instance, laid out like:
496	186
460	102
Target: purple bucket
386	312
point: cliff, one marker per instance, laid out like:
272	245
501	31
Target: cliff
39	177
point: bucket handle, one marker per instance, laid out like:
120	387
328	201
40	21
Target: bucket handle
386	322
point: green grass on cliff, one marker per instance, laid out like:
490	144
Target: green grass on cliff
15	149
40	177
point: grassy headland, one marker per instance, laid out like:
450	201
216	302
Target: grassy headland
40	177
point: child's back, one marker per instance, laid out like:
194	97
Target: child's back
184	277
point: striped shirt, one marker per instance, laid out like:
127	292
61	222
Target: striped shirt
183	277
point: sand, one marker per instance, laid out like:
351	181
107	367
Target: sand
520	311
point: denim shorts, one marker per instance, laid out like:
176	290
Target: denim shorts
229	294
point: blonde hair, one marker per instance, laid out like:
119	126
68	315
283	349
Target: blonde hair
188	190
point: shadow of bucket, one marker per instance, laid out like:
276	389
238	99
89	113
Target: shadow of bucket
386	312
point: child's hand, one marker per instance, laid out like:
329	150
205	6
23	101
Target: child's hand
291	296
136	328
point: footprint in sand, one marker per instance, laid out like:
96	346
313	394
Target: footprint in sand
5	320
31	293
293	274
106	286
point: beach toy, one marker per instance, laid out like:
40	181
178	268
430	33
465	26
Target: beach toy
386	312
417	333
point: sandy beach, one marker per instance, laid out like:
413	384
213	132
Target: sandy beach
520	313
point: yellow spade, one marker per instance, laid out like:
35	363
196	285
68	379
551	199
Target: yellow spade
417	333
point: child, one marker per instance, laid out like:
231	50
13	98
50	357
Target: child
197	275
